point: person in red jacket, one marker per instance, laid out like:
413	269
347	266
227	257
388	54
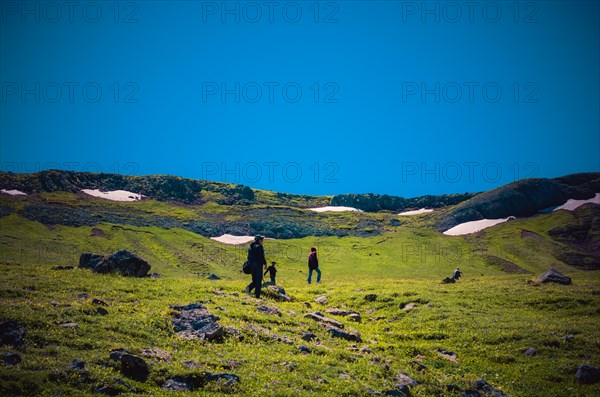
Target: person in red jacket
313	264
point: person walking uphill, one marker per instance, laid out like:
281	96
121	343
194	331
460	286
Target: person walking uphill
256	258
313	264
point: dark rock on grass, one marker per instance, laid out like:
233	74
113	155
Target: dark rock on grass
12	333
63	268
404	379
303	349
101	311
194	321
339	333
156	354
134	367
98	301
278	293
222	378
213	276
370	297
109	390
322	299
235	333
123	262
154	275
396	392
192	382
308	336
83	295
69	325
554	276
9	358
587	374
271	310
532	351
318	316
267	335
116	354
482	386
78	365
355	317
176	384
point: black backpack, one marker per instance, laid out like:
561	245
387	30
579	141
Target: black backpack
246	268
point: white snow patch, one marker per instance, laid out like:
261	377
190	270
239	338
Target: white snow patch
416	212
13	192
571	204
474	226
330	208
236	240
114	195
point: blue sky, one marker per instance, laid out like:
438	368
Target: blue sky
403	98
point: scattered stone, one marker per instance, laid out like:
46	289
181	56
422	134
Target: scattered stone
303	349
554	276
419	366
308	336
117	353
123	262
552	343
317	316
134	367
101	311
532	351
156	354
448	355
191	364
271	310
278	293
63	268
12	333
218	293
339	333
194	321
83	295
213	276
307	305
355	317
322	299
482	385
365	349
404	379
232	332
290	366
409	306
69	325
9	358
154	275
78	365
396	392
97	232
108	390
266	334
370	297
339	312
175	385
587	374
98	301
54	303
373	392
224	378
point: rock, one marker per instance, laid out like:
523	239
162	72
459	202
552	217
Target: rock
156	354
339	312
355	317
97	233
116	354
303	349
83	295
317	316
587	374
271	310
232	332
69	325
482	385
98	301
12	333
194	321
307	305
9	358
264	333
78	365
339	333
409	306
174	385
213	276
448	355
134	367
404	379
370	297
308	336
554	276
321	299
54	303
532	351
278	293
123	262
154	275
63	268
223	378
101	311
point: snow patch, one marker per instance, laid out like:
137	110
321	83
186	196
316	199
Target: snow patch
330	208
13	192
474	226
236	240
416	212
571	204
114	195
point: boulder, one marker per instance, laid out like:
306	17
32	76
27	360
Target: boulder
587	374
340	333
370	297
321	299
101	311
271	310
317	316
194	321
554	276
12	333
278	293
308	336
9	358
532	351
123	262
134	367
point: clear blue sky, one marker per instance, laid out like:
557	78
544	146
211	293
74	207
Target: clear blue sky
403	98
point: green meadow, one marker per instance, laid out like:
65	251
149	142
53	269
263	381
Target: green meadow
487	319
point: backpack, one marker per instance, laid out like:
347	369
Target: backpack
246	268
312	261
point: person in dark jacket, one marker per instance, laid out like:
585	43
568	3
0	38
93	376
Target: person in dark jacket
313	264
256	258
457	274
272	271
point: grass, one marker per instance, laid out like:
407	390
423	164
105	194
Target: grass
488	318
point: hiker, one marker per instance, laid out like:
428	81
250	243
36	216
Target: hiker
271	270
313	264
256	258
457	274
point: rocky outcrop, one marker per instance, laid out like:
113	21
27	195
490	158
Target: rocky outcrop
523	198
123	262
377	202
134	367
554	276
12	333
194	321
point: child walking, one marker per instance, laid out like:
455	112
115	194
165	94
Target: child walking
272	271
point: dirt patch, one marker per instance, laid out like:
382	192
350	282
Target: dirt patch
98	233
531	235
506	266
